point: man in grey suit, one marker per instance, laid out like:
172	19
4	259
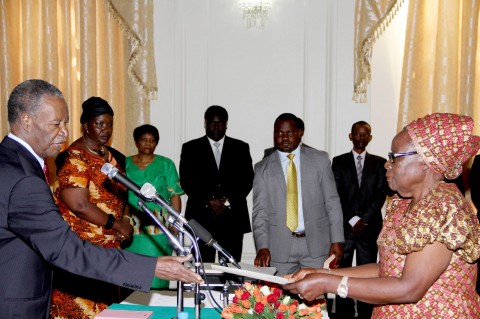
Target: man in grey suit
33	234
319	231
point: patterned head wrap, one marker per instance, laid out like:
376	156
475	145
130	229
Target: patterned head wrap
94	107
444	141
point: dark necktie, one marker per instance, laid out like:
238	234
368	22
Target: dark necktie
45	171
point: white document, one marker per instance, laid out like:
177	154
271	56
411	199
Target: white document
250	271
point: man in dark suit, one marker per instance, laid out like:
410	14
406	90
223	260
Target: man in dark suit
362	187
33	234
216	173
318	231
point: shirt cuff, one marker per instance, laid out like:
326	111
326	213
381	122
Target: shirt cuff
354	220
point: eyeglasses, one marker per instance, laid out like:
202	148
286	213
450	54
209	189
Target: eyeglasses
393	156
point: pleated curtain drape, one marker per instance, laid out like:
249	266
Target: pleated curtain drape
440	64
85	48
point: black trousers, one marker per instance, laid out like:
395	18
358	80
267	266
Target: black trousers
366	253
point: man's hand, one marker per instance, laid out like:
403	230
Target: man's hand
337	250
359	227
263	258
217	206
172	268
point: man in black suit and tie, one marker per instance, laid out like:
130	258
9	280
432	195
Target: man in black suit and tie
216	173
33	234
362	187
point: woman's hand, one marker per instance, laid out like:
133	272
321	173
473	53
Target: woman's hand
124	229
301	273
310	287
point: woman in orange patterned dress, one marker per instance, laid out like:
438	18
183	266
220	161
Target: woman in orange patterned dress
93	205
431	236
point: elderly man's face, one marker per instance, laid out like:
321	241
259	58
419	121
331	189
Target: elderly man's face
47	130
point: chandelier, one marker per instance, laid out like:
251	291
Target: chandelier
255	12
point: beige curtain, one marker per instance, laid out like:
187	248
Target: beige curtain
85	48
371	19
440	60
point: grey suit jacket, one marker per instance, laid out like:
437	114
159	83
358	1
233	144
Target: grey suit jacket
321	205
34	236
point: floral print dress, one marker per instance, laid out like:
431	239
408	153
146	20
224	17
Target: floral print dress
76	296
442	216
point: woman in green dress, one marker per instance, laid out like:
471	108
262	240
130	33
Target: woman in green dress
159	171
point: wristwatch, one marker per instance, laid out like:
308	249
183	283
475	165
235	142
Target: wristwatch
342	290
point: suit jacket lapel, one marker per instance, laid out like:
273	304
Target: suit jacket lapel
29	161
210	157
225	151
276	166
367	166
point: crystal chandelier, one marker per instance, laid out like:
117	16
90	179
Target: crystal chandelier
255	12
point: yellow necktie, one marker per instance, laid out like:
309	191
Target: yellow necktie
292	195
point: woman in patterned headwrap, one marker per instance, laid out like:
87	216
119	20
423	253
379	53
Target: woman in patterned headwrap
431	236
93	205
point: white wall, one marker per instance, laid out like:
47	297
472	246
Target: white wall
302	62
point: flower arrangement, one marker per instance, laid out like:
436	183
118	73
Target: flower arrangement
253	301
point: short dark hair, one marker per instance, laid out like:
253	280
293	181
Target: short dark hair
216	110
146	129
289	116
360	123
300	124
26	97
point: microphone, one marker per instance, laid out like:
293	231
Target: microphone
204	235
113	173
149	192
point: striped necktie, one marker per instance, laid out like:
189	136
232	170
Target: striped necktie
359	169
217	154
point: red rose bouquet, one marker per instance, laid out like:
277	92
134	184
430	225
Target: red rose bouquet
256	301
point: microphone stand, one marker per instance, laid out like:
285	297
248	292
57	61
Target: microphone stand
170	236
198	296
180	283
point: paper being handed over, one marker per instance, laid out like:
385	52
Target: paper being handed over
261	273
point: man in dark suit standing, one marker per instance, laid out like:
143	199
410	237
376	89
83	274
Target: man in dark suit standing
33	234
216	173
362	187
